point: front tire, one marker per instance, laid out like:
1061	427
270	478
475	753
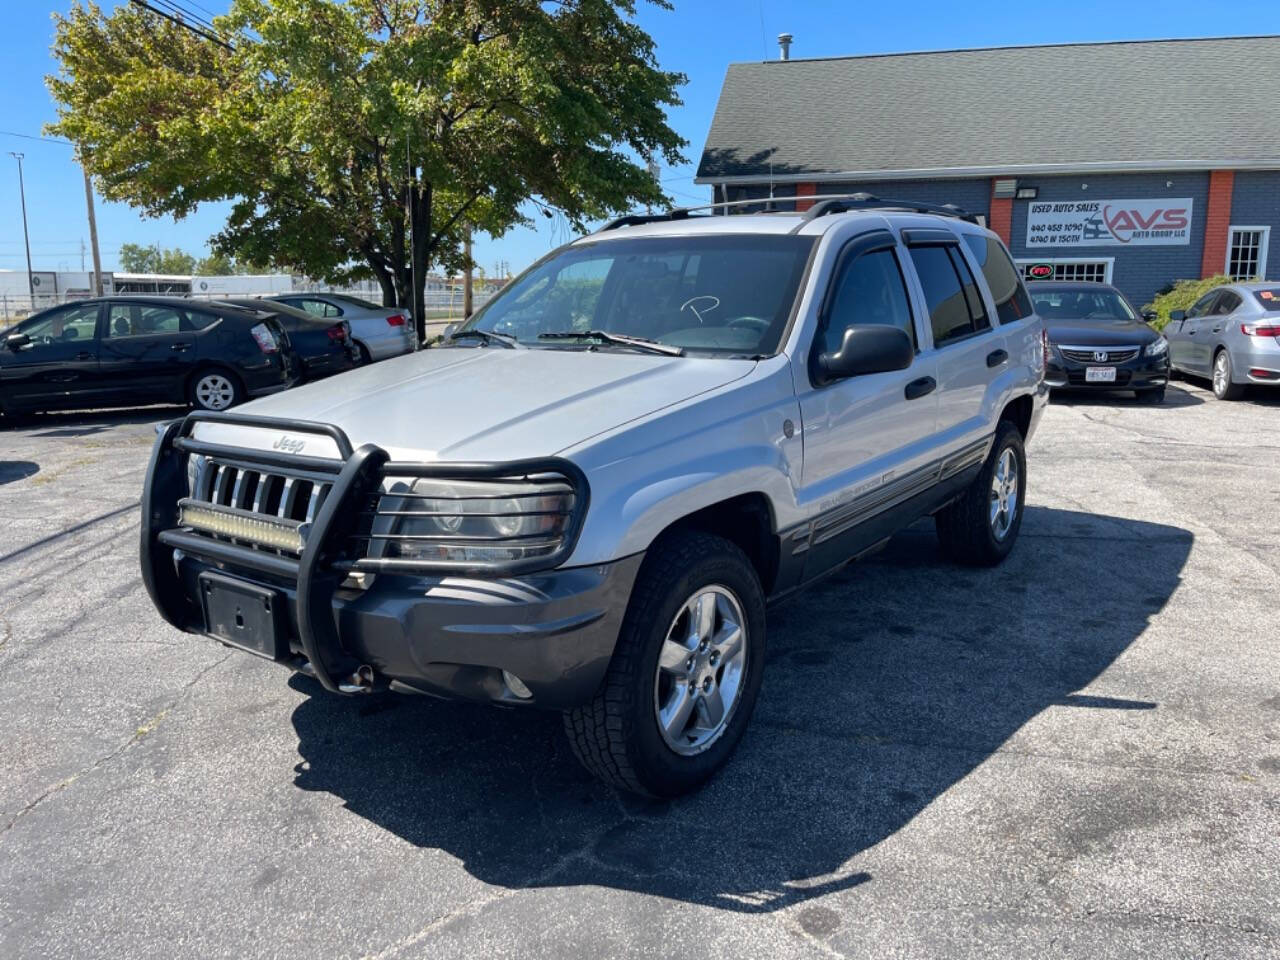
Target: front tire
685	674
1223	388
1153	397
981	527
215	389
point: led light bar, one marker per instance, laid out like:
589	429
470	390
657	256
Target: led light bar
242	525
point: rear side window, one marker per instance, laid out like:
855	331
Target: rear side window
955	308
198	321
870	290
1010	296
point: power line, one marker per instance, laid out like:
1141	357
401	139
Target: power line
28	136
182	23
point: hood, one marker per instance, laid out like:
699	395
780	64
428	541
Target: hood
483	403
1099	333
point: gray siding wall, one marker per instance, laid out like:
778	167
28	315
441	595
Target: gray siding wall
1255	201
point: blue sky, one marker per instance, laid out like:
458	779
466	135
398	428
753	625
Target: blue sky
698	37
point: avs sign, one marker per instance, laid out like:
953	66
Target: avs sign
1110	223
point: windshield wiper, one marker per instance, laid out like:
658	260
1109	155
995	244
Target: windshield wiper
511	343
617	340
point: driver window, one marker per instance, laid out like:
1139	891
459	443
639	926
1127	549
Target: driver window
869	289
61	326
1202	305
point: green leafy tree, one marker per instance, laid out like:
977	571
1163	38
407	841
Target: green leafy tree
135	258
216	265
361	138
177	261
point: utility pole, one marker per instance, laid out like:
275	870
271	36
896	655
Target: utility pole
93	237
466	275
22	193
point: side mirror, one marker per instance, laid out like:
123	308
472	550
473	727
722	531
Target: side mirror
1176	316
1150	316
449	330
16	341
866	348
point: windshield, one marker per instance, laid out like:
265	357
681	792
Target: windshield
1073	303
725	295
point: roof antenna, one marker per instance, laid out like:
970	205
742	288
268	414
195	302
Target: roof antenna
784	45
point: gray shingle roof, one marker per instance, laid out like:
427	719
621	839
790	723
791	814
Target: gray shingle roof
1160	104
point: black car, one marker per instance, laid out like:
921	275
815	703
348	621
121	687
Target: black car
324	346
124	351
1098	341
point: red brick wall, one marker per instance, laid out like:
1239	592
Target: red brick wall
1000	218
805	190
1217	221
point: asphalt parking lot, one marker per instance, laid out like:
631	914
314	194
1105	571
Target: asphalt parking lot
1076	754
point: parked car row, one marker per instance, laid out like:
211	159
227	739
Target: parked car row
1098	341
212	354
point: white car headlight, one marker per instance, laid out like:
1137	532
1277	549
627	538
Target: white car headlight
1157	347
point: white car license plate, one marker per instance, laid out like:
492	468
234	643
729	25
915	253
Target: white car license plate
1100	375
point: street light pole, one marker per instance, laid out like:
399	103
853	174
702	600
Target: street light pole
22	193
93	237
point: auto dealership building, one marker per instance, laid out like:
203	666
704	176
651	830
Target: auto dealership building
1134	163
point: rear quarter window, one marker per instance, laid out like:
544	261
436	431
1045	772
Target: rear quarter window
1007	290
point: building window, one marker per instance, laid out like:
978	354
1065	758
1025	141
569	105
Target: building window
1247	252
1094	271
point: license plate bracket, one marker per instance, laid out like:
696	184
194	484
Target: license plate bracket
243	614
1100	375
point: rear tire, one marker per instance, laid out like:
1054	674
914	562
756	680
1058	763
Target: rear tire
366	357
215	389
1223	388
679	691
980	528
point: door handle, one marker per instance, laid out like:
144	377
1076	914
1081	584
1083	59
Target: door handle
179	347
997	357
919	388
84	355
1217	329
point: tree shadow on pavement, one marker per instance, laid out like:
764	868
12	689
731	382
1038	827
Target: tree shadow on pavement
886	684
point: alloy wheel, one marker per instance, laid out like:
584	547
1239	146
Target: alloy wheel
1220	374
1004	494
215	392
701	668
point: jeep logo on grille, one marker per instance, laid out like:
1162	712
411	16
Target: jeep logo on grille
289	444
1100	355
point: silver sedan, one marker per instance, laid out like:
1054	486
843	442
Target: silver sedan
1230	335
379	332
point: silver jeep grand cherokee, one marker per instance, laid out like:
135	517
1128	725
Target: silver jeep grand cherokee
585	500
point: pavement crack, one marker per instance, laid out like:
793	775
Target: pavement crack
147	727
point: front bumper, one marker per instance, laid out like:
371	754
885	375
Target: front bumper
448	635
1140	373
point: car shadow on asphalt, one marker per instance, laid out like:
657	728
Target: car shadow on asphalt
1174	397
886	684
85	423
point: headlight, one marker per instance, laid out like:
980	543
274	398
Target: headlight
1157	347
448	523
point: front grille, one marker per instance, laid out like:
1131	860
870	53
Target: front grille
270	493
1105	354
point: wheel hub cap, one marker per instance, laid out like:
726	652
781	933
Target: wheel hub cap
1004	494
700	670
215	392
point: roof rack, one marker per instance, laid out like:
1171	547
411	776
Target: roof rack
823	204
866	201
